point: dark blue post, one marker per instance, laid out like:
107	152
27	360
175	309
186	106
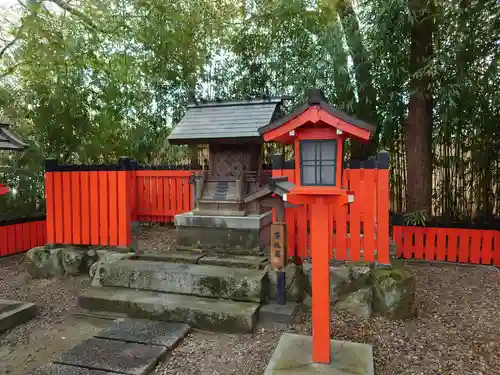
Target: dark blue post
280	288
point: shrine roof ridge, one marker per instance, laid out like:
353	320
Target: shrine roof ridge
204	103
9	140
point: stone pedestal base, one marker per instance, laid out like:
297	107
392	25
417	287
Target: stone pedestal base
294	356
225	234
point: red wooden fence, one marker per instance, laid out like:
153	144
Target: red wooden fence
88	205
359	231
448	244
159	195
19	236
95	205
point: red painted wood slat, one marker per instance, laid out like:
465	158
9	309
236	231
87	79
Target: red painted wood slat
430	243
85	197
487	247
369	195
441	244
76	211
475	246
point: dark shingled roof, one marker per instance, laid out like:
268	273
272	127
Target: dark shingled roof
10	141
225	120
315	97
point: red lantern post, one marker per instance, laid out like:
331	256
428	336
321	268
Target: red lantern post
317	131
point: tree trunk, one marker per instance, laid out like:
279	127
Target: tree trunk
419	124
367	97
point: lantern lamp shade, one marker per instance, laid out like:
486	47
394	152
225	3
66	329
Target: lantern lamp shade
9	140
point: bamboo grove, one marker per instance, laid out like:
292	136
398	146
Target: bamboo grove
91	80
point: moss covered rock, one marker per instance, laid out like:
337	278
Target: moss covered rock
44	262
101	267
77	260
393	292
340	280
358	303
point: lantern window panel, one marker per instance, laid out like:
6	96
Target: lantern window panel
318	162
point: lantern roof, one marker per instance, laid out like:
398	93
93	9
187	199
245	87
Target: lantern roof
316	111
9	140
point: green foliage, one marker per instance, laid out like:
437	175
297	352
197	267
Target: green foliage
416	218
92	80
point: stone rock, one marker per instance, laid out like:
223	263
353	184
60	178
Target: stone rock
360	275
73	260
294	283
105	258
43	262
340	280
358	303
393	292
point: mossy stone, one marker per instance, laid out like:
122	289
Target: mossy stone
393	292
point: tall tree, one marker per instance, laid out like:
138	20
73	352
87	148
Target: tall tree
366	108
419	124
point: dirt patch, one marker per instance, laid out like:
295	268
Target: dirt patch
53	330
46	345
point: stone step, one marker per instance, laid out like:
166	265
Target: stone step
239	261
202	313
197	257
190	257
225	252
198	280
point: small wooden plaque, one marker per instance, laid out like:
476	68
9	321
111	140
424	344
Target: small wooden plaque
278	254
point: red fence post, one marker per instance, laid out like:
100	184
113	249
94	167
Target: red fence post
383	207
124	206
49	201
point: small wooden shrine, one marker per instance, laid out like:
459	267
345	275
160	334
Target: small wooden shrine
223	217
230	128
10	142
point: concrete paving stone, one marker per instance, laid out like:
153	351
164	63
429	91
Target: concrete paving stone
278	313
13	313
115	356
144	331
58	369
293	356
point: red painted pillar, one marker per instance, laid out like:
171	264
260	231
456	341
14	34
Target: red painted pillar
320	283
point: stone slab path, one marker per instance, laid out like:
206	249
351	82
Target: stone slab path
128	346
58	369
147	332
13	313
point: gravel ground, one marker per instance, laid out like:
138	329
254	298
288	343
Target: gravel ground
55	298
457	331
